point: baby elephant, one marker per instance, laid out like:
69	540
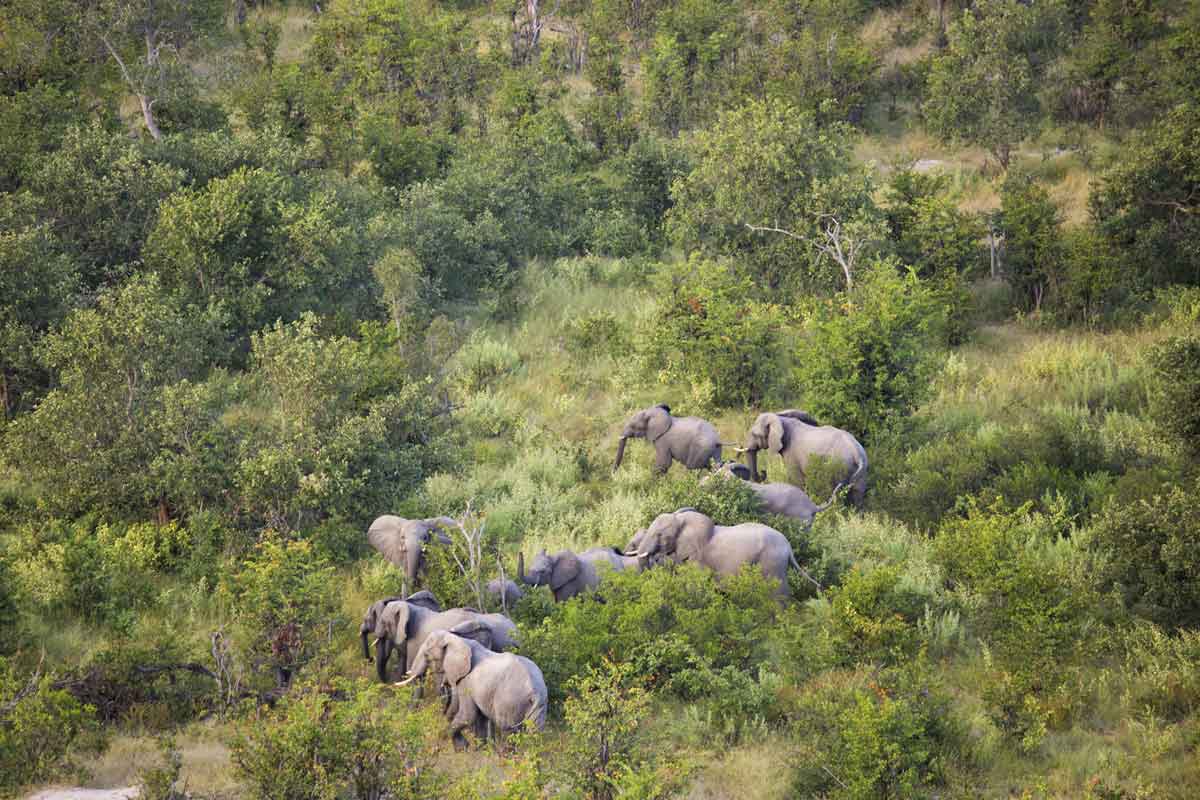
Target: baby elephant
505	593
781	498
567	573
500	690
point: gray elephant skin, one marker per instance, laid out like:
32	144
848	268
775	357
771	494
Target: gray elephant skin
568	573
502	691
798	439
687	535
783	499
505	593
423	598
404	627
402	541
691	441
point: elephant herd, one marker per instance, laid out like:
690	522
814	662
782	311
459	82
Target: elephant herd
487	689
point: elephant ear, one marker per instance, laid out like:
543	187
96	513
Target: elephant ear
424	599
566	568
393	622
475	631
658	422
695	529
739	470
386	535
776	434
456	659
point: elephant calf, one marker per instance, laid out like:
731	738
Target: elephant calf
505	592
687	535
502	691
781	498
692	441
567	573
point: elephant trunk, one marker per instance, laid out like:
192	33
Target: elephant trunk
364	633
752	459
521	568
412	564
383	649
620	452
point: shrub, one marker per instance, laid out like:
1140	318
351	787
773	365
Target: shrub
709	332
710	622
283	601
596	333
875	616
878	735
312	747
482	361
1025	594
868	356
1175	400
1151	551
41	728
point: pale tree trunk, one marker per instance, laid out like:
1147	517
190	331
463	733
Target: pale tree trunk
145	101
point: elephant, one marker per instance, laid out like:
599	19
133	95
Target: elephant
423	598
687	535
403	626
797	437
402	541
780	498
502	691
505	592
567	573
692	441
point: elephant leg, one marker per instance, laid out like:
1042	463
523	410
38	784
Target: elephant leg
467	717
662	459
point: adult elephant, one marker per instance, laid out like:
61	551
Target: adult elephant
798	439
692	441
403	627
423	598
402	541
783	499
568	573
500	691
687	535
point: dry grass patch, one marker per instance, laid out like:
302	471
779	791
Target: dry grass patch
751	772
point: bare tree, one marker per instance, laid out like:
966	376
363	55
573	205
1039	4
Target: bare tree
471	527
842	244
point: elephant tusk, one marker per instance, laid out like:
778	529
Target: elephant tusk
741	449
406	681
643	555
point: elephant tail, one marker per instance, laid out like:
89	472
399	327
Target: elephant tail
796	566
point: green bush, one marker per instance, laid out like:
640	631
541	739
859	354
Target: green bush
596	333
41	728
709	332
313	747
283	603
482	361
875	616
1175	400
1151	550
871	735
710	623
868	356
1025	592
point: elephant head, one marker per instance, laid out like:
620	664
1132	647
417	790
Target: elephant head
734	469
555	571
768	432
447	653
681	535
650	424
401	541
391	626
371	622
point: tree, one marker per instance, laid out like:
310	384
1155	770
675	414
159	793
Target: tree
868	356
148	39
90	440
981	87
1033	245
778	193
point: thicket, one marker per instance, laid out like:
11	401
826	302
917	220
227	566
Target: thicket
268	270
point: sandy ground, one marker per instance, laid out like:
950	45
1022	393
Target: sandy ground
77	793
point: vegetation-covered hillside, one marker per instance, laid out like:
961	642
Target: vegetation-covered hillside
270	270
